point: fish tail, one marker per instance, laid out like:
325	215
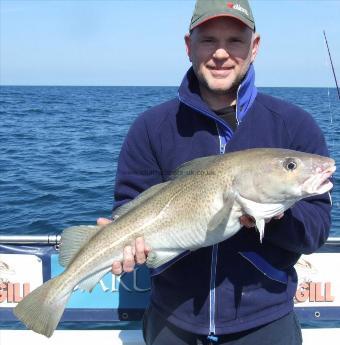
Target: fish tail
42	309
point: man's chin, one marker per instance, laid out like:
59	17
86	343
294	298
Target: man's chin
221	89
217	86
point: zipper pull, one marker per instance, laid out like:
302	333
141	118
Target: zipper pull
222	149
212	337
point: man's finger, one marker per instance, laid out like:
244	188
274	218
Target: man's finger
117	268
140	250
103	221
247	221
128	259
279	216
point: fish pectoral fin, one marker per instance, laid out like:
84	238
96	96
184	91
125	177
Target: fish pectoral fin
73	239
161	257
222	216
260	224
89	283
138	200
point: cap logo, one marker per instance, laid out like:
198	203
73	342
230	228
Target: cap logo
237	7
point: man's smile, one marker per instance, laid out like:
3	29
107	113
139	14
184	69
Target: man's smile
219	72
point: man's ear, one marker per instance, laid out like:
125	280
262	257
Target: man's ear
187	40
255	46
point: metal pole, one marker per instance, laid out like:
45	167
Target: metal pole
31	239
330	58
333	240
55	239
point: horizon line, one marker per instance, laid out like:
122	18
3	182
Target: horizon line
76	85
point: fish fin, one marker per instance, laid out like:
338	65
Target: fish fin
195	166
39	313
161	257
73	239
138	200
260	223
222	216
89	283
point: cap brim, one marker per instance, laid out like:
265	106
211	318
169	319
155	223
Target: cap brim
246	23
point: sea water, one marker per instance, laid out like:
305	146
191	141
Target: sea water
59	149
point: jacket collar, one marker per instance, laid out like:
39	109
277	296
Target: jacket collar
189	94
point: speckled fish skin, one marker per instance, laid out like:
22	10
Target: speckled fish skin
201	206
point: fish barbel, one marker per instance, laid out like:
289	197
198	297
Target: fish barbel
200	206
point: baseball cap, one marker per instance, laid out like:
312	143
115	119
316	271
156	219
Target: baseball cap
209	9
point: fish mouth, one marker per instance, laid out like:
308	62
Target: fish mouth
319	183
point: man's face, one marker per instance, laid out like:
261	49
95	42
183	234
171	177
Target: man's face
221	51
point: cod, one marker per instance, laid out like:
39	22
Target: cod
199	206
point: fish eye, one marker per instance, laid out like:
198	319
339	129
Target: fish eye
290	164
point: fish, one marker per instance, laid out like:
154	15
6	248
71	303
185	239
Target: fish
200	205
307	272
5	272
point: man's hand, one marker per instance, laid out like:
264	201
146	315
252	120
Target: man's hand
249	221
135	254
103	221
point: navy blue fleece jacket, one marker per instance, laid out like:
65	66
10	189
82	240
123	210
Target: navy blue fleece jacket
215	290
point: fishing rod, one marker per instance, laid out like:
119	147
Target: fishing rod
330	58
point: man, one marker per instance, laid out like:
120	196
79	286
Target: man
220	294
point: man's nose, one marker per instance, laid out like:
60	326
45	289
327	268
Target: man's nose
221	53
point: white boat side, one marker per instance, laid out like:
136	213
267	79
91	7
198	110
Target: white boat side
316	336
317	298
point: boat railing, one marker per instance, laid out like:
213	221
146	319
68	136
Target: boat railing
55	239
50	239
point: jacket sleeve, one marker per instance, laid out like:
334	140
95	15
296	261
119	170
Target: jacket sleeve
137	168
305	226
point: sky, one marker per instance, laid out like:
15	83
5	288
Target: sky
140	42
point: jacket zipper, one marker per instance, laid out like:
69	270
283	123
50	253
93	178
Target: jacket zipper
212	306
212	326
212	295
237	120
216	119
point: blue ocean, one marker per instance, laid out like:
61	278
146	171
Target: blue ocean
59	148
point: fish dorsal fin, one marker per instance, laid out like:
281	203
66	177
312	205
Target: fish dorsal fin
73	239
195	166
138	200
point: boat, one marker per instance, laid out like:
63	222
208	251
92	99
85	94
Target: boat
112	313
